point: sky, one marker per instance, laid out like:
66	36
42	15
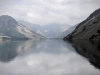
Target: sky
44	12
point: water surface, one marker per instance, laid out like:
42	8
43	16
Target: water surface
44	57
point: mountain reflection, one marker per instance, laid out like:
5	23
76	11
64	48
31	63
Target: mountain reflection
90	50
10	49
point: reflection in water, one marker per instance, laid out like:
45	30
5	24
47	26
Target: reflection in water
10	49
44	57
90	50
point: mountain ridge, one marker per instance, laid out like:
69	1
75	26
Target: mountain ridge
68	31
49	31
11	28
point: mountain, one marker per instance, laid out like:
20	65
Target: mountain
11	28
51	30
88	29
55	29
68	31
34	27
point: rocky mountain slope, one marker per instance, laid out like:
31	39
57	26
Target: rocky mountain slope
88	29
11	28
34	27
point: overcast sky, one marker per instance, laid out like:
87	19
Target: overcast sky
44	12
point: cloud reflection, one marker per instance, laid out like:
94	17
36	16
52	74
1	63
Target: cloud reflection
57	58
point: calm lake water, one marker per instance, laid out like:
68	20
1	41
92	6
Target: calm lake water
49	57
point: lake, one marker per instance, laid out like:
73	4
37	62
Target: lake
49	57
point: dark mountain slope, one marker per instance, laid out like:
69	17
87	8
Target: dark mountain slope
89	29
90	17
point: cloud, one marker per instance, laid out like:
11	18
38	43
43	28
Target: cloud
44	12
